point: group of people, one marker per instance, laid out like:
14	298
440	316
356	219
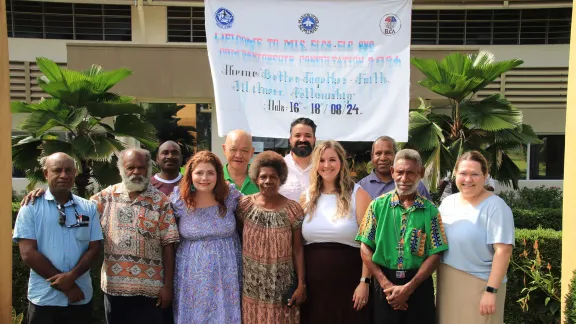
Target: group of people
268	240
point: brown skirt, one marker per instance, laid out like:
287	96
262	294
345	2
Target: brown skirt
333	272
458	298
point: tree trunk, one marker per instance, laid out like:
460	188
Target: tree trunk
83	179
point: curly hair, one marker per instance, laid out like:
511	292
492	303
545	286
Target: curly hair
344	183
269	159
221	190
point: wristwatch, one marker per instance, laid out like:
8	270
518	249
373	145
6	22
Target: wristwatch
366	280
491	290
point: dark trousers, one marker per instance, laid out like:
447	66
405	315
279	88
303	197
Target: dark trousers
421	305
132	309
59	315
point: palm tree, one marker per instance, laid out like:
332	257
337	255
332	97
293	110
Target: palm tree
163	117
491	125
82	119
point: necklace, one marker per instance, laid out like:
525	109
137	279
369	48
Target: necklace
400	239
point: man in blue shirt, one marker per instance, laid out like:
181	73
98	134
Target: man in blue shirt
59	239
380	181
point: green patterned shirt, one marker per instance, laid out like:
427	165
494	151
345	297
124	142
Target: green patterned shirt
402	238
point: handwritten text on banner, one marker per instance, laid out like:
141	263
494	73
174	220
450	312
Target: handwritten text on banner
345	65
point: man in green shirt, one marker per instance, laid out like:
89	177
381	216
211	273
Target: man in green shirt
402	240
239	150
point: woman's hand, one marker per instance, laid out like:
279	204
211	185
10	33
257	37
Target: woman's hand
360	297
487	304
298	297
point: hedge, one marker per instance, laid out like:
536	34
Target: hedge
538	217
550	246
549	241
570	310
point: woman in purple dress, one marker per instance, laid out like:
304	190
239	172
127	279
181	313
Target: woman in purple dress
208	272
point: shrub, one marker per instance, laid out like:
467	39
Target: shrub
550	246
570	310
540	217
529	198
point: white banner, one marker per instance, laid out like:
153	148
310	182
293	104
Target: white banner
345	65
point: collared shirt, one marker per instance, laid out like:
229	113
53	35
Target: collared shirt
248	187
166	186
402	238
62	246
135	232
298	179
376	187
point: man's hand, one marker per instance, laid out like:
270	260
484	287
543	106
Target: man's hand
29	198
397	296
164	296
487	304
62	281
75	294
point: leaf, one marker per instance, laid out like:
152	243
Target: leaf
20	107
93	71
106	173
133	126
423	134
97	147
50	69
106	80
25	152
493	113
110	109
76	117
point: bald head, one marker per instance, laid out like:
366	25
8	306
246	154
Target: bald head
60	172
238	149
169	158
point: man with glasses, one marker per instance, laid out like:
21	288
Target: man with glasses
59	239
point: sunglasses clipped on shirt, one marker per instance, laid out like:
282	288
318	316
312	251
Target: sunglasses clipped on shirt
81	220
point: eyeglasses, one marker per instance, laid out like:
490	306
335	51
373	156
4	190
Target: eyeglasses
81	221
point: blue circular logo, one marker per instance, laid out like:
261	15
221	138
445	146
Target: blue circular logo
308	23
224	18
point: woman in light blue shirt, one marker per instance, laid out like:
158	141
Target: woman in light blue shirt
480	228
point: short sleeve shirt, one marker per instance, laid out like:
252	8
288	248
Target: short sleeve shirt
62	246
135	231
473	230
402	238
298	179
247	188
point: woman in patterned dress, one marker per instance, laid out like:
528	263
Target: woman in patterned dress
273	258
208	273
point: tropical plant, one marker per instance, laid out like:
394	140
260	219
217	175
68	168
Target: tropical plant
17	318
538	277
163	117
491	125
570	301
81	119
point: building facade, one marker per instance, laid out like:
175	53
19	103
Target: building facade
163	43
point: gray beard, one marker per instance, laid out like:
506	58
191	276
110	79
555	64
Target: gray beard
136	186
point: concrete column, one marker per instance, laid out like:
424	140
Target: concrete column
5	175
569	221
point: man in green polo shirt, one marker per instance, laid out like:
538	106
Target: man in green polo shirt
402	240
239	150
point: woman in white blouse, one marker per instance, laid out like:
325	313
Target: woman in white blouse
337	281
480	230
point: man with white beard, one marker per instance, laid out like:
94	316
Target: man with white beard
139	235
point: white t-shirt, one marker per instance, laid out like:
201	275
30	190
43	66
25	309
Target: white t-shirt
323	228
298	179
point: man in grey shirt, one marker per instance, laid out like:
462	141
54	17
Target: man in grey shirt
380	181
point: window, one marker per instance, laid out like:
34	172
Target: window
547	160
433	27
51	20
491	27
186	24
